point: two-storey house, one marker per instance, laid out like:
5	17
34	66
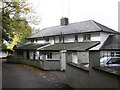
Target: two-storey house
70	42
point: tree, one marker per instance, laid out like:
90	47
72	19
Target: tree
15	26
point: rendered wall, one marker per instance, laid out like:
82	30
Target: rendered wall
42	64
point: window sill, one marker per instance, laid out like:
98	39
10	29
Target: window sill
79	66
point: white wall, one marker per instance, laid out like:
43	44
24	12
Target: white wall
80	37
95	36
75	57
79	57
51	40
83	57
103	37
55	56
40	41
37	55
31	54
70	38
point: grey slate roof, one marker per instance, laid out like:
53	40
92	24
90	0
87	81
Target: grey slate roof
71	46
79	27
29	46
112	43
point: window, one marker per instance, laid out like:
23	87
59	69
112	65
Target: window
47	39
49	55
87	37
112	54
76	38
32	40
36	39
60	39
20	53
117	54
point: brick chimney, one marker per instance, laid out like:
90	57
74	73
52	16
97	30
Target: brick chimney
64	21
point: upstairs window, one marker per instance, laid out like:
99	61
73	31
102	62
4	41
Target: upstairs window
60	39
32	40
87	37
36	40
47	39
76	38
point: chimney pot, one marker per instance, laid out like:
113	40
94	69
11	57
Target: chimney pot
64	21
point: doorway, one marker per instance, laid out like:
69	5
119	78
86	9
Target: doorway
33	55
27	54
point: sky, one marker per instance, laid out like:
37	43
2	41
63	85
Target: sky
51	11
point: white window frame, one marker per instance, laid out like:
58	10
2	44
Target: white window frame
86	37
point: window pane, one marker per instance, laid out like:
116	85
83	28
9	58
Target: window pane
49	55
76	37
88	37
112	54
60	39
47	39
84	37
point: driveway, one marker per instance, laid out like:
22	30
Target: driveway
24	76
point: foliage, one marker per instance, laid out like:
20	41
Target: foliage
4	46
15	26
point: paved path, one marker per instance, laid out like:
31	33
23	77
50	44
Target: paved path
18	77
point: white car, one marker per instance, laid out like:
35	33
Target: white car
110	61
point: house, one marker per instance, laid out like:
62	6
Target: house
111	46
67	42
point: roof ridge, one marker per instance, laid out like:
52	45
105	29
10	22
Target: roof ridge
96	25
110	29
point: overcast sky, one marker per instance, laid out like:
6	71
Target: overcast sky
51	11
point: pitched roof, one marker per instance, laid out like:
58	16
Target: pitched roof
28	46
71	46
112	43
79	27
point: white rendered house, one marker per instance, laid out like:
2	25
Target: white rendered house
66	42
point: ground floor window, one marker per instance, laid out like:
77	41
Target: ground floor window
49	55
20	53
115	54
112	54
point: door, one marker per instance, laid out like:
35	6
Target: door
27	54
33	55
74	58
63	60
